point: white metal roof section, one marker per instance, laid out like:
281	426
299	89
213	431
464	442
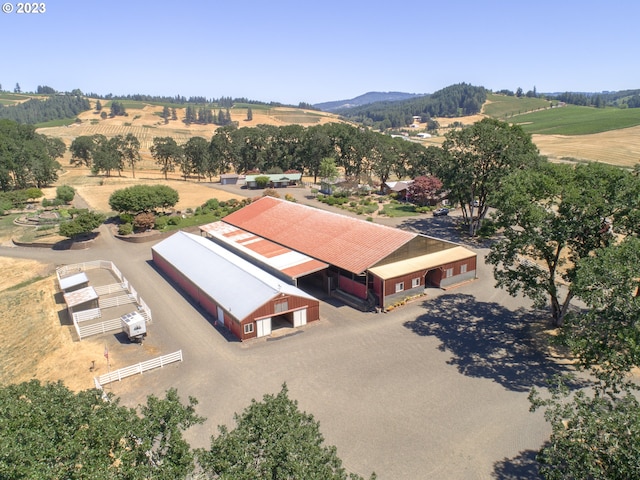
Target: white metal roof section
289	262
237	285
78	297
73	280
423	262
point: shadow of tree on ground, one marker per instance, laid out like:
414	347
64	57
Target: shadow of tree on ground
524	466
486	340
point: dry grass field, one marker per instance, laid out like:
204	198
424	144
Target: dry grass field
35	342
617	147
96	190
145	124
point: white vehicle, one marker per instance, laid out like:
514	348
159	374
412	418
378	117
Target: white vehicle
134	325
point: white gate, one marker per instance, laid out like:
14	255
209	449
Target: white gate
300	317
264	327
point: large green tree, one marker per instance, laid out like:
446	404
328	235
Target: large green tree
595	434
197	155
476	160
82	223
554	216
107	155
167	153
606	336
26	157
47	431
82	149
143	198
273	439
129	148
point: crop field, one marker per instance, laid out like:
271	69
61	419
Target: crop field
575	120
617	147
503	107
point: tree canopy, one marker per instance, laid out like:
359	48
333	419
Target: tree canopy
273	439
476	159
554	216
56	107
47	431
143	198
27	159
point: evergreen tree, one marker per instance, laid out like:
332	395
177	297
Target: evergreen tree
98	106
17	88
249	114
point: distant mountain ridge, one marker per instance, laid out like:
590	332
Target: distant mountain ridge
367	98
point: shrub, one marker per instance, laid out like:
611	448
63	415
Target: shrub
289	198
126	218
144	221
175	221
212	203
46	202
161	222
270	192
65	193
262	181
125	229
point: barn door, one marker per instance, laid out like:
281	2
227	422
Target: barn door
263	327
300	317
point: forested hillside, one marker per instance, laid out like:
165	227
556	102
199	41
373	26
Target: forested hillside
366	99
34	111
453	101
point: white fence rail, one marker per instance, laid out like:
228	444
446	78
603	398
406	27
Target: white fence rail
116	301
121	373
132	296
85	331
109	289
86	315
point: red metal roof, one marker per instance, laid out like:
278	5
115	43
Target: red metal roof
345	242
289	262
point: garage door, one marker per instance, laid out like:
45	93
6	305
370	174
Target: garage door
264	327
300	317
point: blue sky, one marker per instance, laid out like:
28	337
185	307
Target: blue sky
311	51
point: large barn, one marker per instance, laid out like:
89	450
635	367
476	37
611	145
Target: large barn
372	263
239	295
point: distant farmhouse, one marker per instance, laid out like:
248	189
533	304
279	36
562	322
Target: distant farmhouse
257	264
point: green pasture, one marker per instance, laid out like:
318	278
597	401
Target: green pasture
56	123
575	120
295	116
503	106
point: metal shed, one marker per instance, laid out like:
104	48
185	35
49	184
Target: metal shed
74	282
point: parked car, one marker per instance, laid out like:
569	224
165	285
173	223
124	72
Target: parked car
439	212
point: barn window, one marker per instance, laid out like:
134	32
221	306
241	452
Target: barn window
281	307
449	272
415	282
463	268
248	328
399	287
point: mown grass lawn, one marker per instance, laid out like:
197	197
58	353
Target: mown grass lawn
399	210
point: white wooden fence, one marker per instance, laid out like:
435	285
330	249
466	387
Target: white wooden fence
92	314
85	331
86	315
125	372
